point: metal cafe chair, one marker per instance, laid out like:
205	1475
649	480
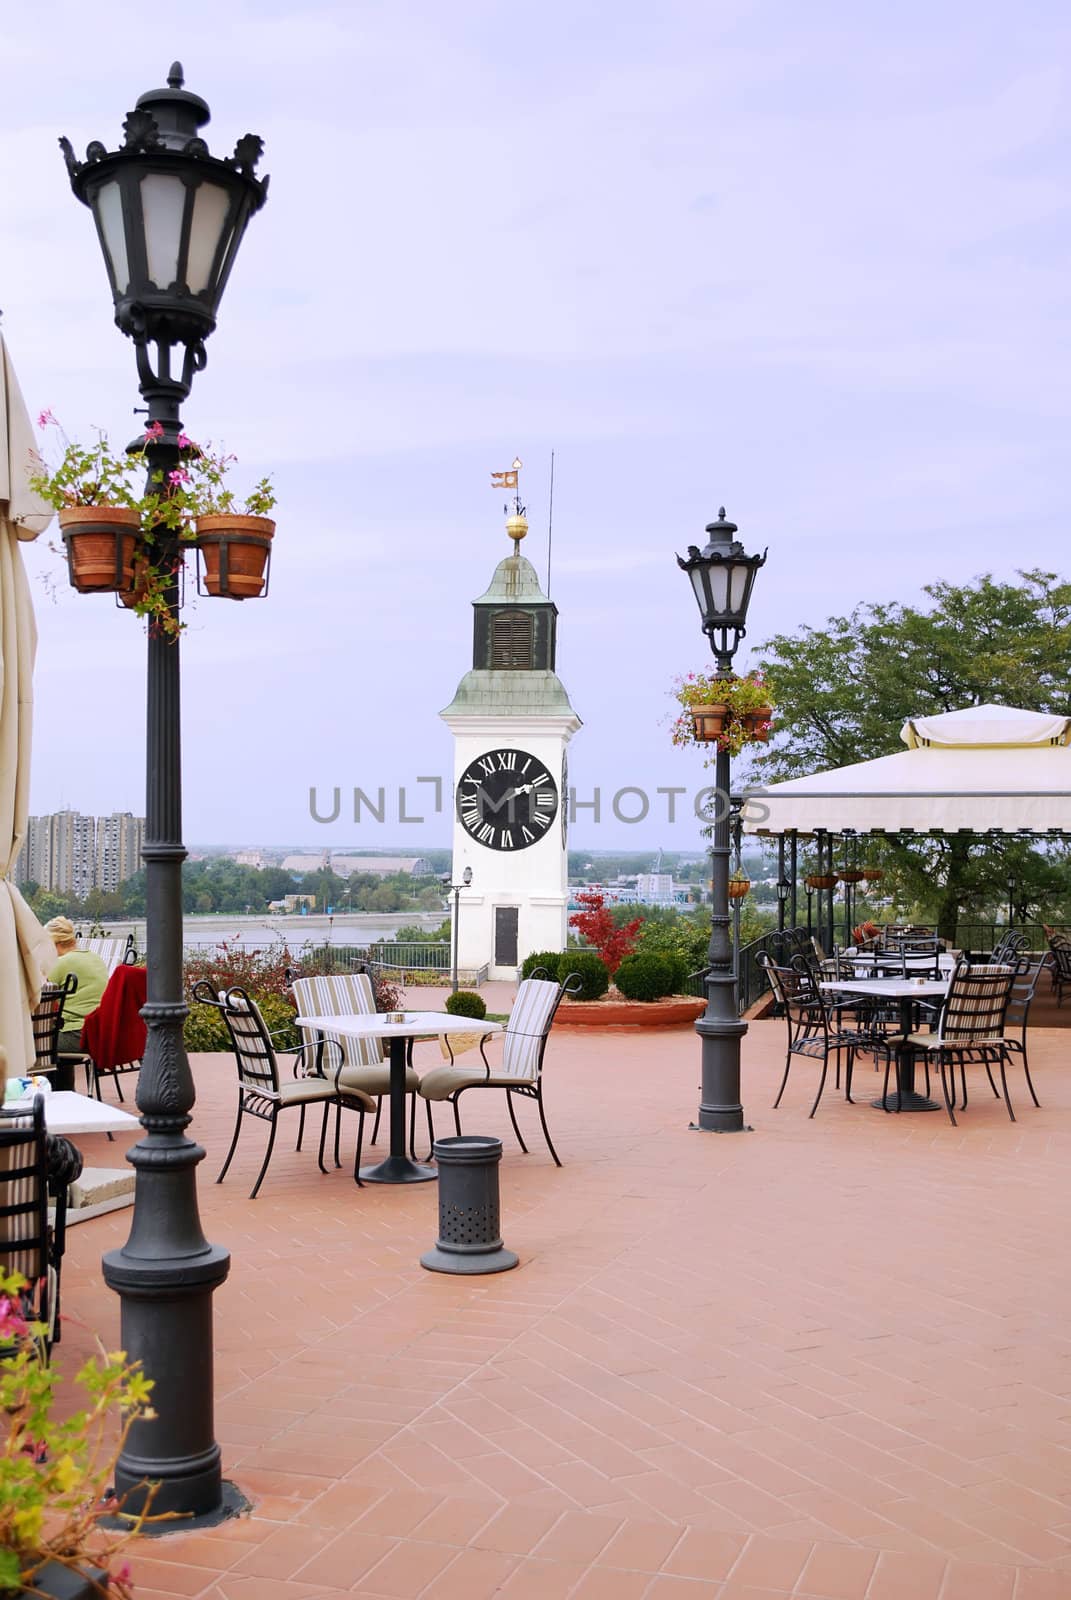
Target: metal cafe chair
815	1028
262	1090
1027	975
969	1031
363	1066
28	1244
524	1044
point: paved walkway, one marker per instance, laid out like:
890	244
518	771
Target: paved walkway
827	1359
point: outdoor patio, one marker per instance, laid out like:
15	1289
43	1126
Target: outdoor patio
830	1358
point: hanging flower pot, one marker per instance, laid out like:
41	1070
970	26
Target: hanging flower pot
738	886
101	543
709	721
873	874
757	723
820	880
850	875
236	551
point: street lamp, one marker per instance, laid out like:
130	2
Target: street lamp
722	576
466	879
170	218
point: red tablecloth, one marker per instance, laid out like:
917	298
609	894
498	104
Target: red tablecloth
114	1033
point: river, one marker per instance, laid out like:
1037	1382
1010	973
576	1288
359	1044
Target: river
359	928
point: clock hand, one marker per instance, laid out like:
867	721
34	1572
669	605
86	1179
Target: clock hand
496	805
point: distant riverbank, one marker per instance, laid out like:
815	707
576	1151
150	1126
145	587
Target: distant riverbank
355	927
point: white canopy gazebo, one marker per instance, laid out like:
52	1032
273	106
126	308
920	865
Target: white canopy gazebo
984	768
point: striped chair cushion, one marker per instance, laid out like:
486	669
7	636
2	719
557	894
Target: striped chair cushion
23	1195
257	1068
529	1021
346	993
973	1012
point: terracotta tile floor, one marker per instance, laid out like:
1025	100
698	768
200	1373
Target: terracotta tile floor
826	1359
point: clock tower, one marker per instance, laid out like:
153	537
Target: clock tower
511	720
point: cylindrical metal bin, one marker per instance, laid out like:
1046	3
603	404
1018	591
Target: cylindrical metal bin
469	1239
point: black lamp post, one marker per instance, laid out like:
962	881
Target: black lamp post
722	576
170	218
456	888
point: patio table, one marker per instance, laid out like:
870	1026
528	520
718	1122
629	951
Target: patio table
68	1112
906	990
397	1168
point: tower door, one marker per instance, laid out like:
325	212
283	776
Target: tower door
506	920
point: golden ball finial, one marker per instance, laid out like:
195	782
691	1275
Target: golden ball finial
516	527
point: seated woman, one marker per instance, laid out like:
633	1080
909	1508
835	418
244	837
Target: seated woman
92	977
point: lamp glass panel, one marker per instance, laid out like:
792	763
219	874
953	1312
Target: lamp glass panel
739	586
110	217
210	210
719	587
698	576
163	201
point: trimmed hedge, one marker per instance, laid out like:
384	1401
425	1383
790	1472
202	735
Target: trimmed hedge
542	958
649	977
592	970
465	1003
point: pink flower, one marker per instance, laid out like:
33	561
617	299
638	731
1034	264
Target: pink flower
180	475
46	419
185	442
12	1321
123	1573
155	430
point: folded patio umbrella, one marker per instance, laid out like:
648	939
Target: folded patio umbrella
26	951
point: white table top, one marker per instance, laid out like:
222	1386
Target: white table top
893	957
363	1025
889	988
68	1112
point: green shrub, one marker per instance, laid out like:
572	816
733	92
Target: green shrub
590	968
543	958
649	977
466	1004
205	1028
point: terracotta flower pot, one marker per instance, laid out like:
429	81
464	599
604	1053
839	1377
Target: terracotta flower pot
850	875
235	551
709	721
757	723
820	880
101	545
738	888
873	874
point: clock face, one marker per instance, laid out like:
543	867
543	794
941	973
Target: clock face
565	798
506	799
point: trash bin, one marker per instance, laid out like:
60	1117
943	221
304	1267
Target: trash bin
469	1239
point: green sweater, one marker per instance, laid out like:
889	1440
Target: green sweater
92	977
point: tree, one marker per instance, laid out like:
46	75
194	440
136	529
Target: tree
595	924
843	692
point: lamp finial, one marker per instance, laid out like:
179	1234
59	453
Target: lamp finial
175	78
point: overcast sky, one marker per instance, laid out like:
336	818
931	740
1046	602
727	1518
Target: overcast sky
807	261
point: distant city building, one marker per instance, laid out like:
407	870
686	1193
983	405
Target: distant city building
119	841
293	902
646	889
346	866
249	858
70	854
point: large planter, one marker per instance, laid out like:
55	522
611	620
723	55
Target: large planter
67	1583
709	722
236	551
618	1014
101	543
